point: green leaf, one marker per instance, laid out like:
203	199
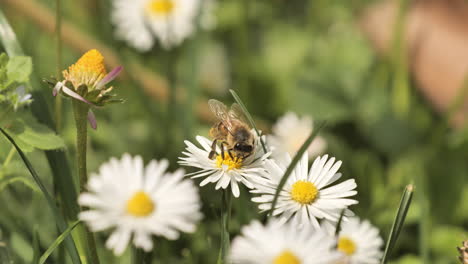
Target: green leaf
21	247
5	181
19	68
69	243
29	131
3	60
57	242
399	221
293	164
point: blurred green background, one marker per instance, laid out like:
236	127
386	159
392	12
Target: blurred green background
306	56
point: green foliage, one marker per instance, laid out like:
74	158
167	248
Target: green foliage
18	69
303	56
399	221
14	73
57	242
31	133
60	220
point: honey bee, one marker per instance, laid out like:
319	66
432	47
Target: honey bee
231	131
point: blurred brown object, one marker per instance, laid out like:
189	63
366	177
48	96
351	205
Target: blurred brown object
463	251
436	38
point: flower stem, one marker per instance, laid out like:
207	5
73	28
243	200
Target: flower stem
80	111
58	31
225	217
139	256
9	157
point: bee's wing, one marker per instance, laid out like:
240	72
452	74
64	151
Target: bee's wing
221	112
236	113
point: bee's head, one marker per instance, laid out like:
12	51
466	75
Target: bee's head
242	147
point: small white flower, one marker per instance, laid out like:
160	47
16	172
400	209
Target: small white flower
139	202
307	196
139	21
282	244
225	171
290	132
359	242
23	97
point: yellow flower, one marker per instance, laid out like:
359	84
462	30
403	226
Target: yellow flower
88	70
86	80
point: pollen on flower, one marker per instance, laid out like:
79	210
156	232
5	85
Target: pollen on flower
140	205
228	162
346	246
304	192
286	257
91	61
88	70
160	7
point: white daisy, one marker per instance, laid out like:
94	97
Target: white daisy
139	21
359	242
290	132
139	202
225	171
307	196
282	244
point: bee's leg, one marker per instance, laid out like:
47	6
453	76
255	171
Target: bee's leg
223	145
229	151
213	149
222	149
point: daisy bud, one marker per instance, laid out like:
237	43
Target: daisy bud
86	80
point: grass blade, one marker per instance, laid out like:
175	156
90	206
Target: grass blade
60	221
293	164
399	221
57	242
249	117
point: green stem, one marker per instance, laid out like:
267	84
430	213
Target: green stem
9	157
137	256
140	257
172	107
80	111
58	32
225	217
7	161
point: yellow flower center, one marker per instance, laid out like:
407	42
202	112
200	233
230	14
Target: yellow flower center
92	61
304	192
228	162
286	257
88	70
346	246
140	205
160	7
